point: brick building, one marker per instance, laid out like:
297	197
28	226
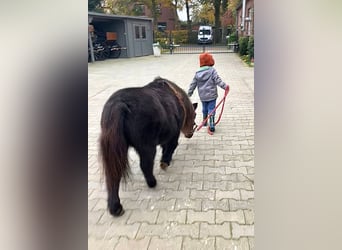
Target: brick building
245	18
167	17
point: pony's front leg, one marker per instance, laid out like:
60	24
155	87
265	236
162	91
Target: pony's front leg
168	150
147	155
114	206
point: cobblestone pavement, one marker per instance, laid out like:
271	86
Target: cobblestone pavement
205	198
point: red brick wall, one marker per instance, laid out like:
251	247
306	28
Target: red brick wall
249	5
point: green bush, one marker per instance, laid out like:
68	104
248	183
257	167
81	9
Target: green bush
243	44
232	38
180	36
250	47
162	38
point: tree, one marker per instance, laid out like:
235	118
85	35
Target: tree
203	13
93	4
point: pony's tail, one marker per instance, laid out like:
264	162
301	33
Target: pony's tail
113	146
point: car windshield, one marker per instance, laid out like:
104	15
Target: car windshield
204	32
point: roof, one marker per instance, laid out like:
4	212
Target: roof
110	16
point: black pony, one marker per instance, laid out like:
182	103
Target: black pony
142	118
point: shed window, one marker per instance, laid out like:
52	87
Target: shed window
137	33
143	32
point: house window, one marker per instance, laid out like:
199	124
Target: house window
139	9
161	26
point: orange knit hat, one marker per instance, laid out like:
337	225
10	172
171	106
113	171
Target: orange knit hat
206	60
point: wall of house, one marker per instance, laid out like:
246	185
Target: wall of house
168	16
249	26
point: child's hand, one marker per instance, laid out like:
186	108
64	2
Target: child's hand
227	89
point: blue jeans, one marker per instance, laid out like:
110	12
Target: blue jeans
209	106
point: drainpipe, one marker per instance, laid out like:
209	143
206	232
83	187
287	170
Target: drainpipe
243	15
90	19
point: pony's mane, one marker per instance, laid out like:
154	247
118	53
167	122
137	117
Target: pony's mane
184	99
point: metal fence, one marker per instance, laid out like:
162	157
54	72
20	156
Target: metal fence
196	49
176	42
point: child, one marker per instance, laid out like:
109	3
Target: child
206	79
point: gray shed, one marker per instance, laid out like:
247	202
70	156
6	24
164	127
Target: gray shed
133	33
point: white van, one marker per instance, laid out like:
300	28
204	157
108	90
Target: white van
205	35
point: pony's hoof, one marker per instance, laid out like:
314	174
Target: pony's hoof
117	212
163	165
152	183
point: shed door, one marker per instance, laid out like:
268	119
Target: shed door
139	39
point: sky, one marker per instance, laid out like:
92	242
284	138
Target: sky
182	14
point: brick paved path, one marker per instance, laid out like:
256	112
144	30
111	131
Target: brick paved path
205	198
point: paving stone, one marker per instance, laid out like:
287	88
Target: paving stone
242	230
137	204
168	216
224	244
169	230
94	216
235	194
177	194
214	157
143	216
95	244
191	185
246	185
251	243
199	244
207	230
107	218
194	216
129	231
249	216
227	216
202	194
100	205
236	170
202	177
165	244
162	204
195	157
240	204
219	170
245	195
194	169
135	244
187	203
221	185
215	204
91	204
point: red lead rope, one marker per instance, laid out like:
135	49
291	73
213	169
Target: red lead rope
219	118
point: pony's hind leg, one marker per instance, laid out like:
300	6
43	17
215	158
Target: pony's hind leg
168	150
114	206
147	155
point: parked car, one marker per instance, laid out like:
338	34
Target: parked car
205	35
